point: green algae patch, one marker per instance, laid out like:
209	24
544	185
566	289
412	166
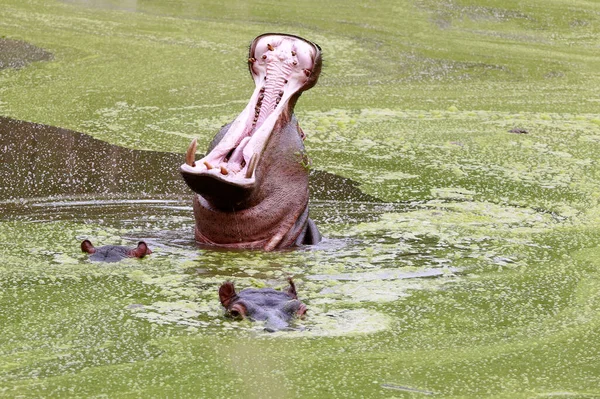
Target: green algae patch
149	76
452	285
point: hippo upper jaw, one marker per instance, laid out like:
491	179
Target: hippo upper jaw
282	67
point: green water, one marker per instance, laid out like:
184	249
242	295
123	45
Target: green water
477	276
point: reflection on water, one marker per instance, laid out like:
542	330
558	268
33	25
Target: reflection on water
50	173
17	54
42	161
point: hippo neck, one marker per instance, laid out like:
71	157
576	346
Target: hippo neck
274	212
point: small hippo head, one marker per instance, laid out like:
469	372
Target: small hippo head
114	253
274	307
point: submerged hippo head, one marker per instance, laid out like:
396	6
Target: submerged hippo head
252	186
277	308
114	253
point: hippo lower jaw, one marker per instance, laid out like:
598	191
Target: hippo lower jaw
282	67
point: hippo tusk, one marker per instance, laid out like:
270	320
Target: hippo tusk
208	165
190	156
224	170
252	166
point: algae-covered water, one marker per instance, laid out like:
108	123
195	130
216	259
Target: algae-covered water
461	260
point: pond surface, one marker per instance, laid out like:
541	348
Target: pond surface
460	259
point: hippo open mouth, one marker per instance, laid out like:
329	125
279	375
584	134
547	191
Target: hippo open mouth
252	186
282	67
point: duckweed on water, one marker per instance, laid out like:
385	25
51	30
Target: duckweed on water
469	270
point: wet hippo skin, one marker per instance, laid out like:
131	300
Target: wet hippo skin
252	186
114	253
274	307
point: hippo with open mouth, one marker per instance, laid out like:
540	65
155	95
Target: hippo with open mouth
252	186
276	308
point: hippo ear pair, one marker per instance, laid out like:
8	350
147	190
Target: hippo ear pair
139	252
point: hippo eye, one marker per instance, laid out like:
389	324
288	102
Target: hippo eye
237	314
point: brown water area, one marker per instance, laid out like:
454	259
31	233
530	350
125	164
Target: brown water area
44	161
17	54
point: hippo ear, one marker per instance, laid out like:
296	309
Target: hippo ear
226	293
291	291
86	246
141	250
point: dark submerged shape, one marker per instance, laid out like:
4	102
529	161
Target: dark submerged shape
18	54
114	253
252	186
277	308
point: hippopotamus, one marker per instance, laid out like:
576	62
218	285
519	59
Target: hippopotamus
114	253
274	307
252	185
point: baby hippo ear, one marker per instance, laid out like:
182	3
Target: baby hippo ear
226	293
141	250
291	291
86	246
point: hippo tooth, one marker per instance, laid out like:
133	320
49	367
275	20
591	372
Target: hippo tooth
270	47
251	59
190	156
307	72
224	170
293	53
208	165
251	165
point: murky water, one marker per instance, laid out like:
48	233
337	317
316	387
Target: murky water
17	54
460	259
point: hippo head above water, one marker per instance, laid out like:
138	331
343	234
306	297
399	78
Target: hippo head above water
114	253
252	186
276	308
